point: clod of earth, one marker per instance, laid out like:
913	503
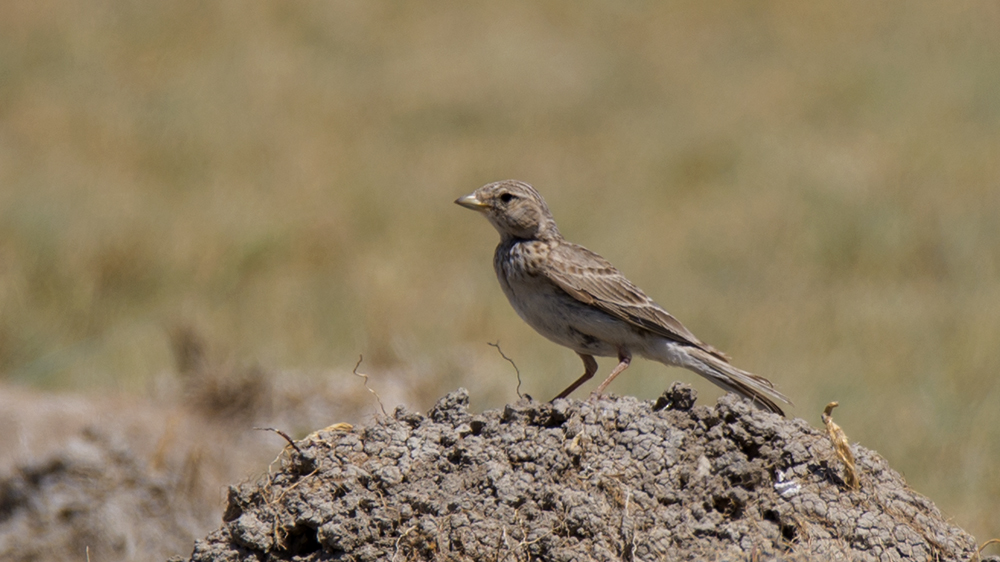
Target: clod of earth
611	479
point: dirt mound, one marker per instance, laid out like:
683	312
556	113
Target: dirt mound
92	498
614	479
130	477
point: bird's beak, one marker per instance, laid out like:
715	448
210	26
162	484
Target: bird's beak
470	202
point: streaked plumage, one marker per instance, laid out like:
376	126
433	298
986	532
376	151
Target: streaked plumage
577	299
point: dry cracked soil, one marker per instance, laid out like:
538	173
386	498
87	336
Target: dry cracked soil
610	479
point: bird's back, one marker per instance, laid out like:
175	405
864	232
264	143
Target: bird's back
591	279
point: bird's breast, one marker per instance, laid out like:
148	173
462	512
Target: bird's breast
551	311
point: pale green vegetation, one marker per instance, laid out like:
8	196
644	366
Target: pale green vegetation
813	188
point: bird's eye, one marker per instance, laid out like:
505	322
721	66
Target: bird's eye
506	197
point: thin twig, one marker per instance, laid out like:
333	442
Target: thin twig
511	361
988	543
979	552
292	487
283	434
400	538
364	376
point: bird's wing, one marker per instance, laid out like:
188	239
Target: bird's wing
591	279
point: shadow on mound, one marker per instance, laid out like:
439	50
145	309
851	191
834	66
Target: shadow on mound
614	479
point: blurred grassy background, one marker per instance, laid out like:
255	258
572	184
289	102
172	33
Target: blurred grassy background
813	188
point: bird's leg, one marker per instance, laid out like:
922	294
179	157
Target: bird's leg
624	358
589	368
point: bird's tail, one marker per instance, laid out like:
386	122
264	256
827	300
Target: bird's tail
759	390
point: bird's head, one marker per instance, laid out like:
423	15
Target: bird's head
514	208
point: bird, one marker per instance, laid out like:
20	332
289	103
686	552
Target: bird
576	298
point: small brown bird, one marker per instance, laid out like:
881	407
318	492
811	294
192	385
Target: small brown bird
576	298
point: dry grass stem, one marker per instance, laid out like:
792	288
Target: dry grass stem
291	442
511	361
368	388
839	441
